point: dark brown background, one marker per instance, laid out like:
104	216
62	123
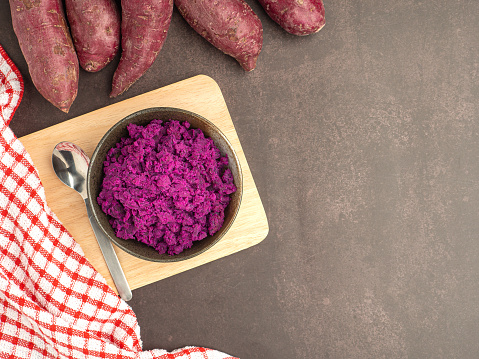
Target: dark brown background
363	140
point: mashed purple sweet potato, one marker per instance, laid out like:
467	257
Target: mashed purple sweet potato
166	185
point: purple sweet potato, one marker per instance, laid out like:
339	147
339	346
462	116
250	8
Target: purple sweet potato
298	17
144	26
95	28
229	25
46	44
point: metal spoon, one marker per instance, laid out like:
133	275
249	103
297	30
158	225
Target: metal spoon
70	164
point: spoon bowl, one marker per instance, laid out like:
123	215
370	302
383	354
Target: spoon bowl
70	164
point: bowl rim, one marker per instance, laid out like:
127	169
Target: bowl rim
115	239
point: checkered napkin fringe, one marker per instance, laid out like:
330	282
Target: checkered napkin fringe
53	304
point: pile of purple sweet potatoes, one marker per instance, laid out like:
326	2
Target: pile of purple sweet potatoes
57	37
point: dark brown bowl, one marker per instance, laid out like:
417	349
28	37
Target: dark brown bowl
95	178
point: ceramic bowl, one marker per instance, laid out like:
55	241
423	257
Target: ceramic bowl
112	137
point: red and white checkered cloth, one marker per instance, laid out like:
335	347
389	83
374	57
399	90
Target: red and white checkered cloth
53	304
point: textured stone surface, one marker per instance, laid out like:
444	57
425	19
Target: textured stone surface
364	143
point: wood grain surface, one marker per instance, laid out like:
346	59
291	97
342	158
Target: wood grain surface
199	94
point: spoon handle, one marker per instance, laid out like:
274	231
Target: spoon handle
111	259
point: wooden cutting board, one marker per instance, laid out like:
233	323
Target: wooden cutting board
199	94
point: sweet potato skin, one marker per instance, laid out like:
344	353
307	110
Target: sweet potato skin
95	29
144	26
298	17
229	25
46	44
